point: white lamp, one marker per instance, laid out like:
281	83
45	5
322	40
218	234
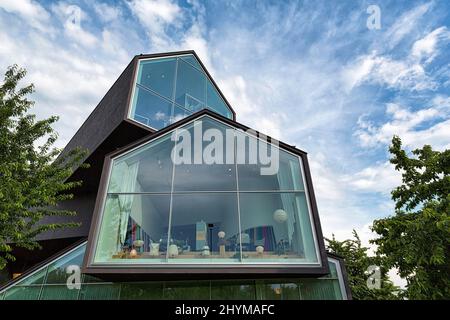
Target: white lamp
280	215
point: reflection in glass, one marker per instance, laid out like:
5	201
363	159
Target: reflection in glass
235	290
158	75
203	228
187	290
150	109
169	89
190	87
288	176
212	173
281	291
147	169
215	102
58	272
134	227
276	228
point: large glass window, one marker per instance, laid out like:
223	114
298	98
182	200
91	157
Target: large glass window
169	89
208	208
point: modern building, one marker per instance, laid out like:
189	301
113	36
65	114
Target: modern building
181	202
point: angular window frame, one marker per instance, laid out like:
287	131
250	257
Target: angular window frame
179	57
262	268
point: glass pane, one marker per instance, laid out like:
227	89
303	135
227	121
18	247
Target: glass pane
233	290
142	291
151	110
60	270
281	291
191	59
59	292
147	169
262	167
276	228
215	102
134	228
23	293
320	289
204	165
190	88
179	113
333	270
158	75
33	279
199	290
204	228
105	291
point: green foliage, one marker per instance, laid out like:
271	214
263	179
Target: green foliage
357	263
32	182
416	240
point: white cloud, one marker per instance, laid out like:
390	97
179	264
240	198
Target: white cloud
156	16
426	48
107	12
405	123
31	11
381	70
405	24
72	17
377	178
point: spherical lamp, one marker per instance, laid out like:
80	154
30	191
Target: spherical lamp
280	215
221	234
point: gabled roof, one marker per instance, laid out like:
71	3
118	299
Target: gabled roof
178	53
194	116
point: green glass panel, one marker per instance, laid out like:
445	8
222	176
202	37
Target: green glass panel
320	289
191	60
333	270
281	291
23	293
233	290
105	291
33	279
150	109
199	290
275	228
215	102
60	270
1	295
158	75
59	292
142	291
190	87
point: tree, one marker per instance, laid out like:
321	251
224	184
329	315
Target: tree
416	240
357	263
33	179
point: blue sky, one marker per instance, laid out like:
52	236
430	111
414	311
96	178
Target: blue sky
309	73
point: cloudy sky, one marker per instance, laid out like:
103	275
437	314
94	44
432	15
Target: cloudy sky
310	73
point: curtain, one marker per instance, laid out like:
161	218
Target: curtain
284	178
123	180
